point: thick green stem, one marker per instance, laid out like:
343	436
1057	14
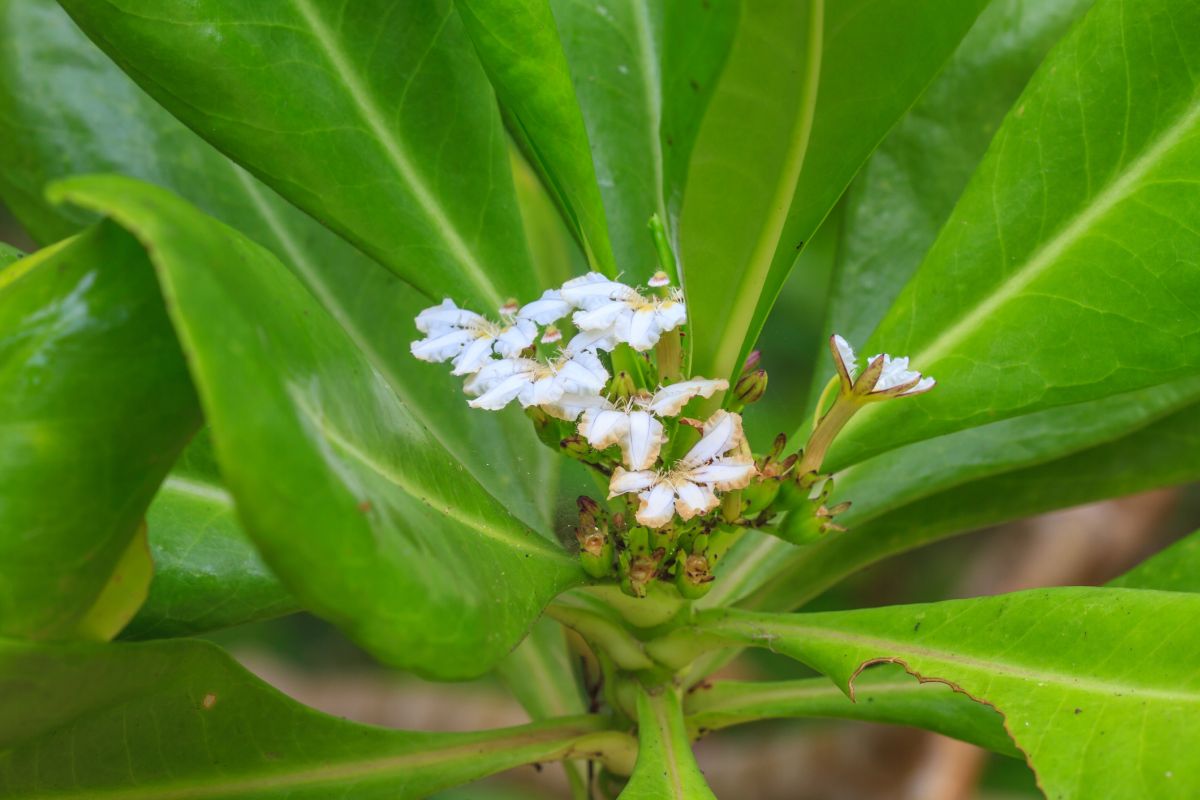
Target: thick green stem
845	407
626	651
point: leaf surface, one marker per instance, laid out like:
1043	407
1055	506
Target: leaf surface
95	404
374	116
1097	686
181	720
643	74
51	122
350	499
1065	271
809	91
665	768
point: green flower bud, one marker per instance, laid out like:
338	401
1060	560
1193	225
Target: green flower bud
750	387
692	576
621	387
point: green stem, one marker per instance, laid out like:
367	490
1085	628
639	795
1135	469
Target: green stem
662	247
827	429
626	651
833	382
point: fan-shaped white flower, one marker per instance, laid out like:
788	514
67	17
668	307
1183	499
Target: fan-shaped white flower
547	309
689	487
632	423
614	312
469	339
895	379
536	383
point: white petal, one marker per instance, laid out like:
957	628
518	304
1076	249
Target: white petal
516	337
446	315
845	354
542	392
923	385
642	441
604	427
624	481
473	357
493	372
694	500
643	329
550	307
657	506
571	405
502	393
593	289
725	474
895	373
671	314
443	346
582	374
722	433
670	400
603	315
588	341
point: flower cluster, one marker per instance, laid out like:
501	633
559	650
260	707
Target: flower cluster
572	383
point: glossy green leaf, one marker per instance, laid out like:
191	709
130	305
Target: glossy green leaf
519	48
207	574
882	694
643	73
1138	462
809	91
352	502
1097	686
1175	569
1063	273
82	320
906	191
666	768
182	720
374	116
57	90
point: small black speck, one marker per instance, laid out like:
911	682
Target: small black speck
799	245
916	627
1079	711
694	84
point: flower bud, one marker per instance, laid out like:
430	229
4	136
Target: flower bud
760	494
692	576
752	361
575	446
596	555
731	506
750	387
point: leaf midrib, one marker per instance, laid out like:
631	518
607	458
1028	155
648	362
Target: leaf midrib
372	114
899	649
360	769
1122	186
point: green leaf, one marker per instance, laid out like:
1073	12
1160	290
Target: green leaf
665	768
9	255
1097	686
643	73
207	574
908	188
1132	464
882	694
96	404
51	119
1063	274
519	47
123	594
1175	569
351	501
375	117
809	91
181	719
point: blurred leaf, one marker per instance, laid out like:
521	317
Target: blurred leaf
643	72
377	120
519	47
1080	674
1157	455
1064	273
1175	569
181	719
666	768
351	501
882	694
96	404
908	188
809	91
57	90
207	574
9	254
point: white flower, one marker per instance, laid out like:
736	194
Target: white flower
894	379
536	383
614	312
547	309
631	423
689	487
468	338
